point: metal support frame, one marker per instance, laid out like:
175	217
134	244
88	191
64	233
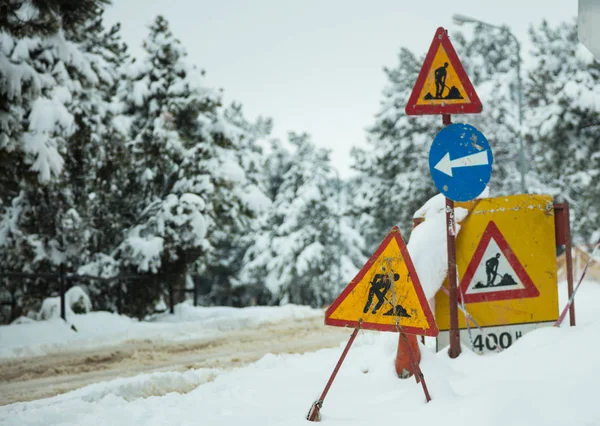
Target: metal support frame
562	226
315	410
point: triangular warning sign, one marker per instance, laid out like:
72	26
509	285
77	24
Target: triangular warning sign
385	295
494	272
442	86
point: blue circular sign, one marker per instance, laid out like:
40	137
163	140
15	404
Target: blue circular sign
460	162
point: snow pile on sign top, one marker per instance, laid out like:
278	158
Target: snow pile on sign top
427	245
531	383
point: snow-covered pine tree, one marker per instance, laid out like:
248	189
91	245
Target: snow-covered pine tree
162	94
393	173
564	122
295	256
40	225
224	261
220	167
100	165
490	60
192	195
34	18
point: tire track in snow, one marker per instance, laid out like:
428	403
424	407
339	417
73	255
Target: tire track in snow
33	378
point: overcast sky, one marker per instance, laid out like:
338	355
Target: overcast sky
315	65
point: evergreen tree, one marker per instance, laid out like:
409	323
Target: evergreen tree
162	96
490	60
222	166
29	18
224	265
394	174
562	91
43	79
191	197
101	164
296	253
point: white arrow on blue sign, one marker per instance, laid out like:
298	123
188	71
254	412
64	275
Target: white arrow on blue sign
460	162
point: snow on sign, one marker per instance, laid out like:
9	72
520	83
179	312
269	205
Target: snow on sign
495	273
460	162
506	262
442	86
385	295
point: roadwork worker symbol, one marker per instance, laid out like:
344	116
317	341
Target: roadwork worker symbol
491	271
380	286
440	80
440	74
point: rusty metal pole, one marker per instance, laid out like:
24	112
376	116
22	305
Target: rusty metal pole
452	285
569	260
451	243
315	410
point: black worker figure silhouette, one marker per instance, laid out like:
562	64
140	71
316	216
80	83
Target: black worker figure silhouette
439	76
440	80
491	271
380	286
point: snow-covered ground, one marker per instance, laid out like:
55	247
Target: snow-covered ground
102	329
548	377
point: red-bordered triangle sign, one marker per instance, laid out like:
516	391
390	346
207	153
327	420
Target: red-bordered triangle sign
385	295
442	86
495	273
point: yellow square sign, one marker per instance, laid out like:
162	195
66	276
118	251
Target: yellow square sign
506	263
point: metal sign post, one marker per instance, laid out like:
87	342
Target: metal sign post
455	349
460	159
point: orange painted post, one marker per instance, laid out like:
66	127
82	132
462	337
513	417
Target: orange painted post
404	366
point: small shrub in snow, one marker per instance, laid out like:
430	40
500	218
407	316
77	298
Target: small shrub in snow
76	302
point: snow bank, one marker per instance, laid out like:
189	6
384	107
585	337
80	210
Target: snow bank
427	245
101	329
76	300
225	315
524	385
521	385
132	388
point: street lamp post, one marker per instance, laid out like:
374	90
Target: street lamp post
462	19
339	223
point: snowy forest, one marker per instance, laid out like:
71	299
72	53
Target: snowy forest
133	170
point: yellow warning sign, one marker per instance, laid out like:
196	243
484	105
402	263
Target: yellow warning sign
442	86
442	83
385	295
506	263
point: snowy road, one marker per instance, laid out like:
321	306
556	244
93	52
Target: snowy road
31	378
